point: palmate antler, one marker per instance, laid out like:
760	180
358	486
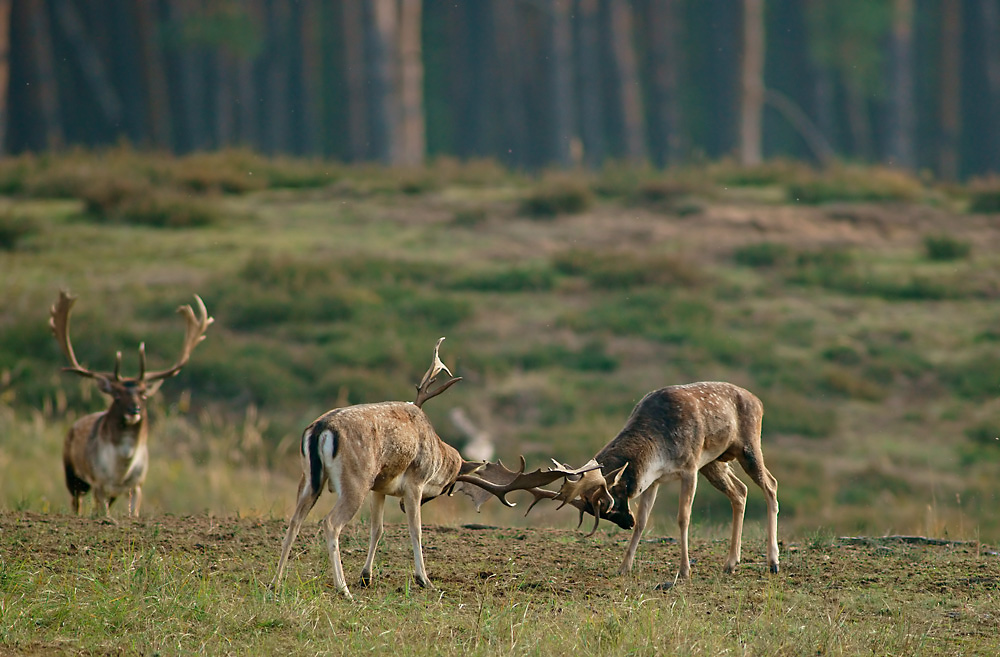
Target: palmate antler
589	493
195	327
424	391
496	479
59	323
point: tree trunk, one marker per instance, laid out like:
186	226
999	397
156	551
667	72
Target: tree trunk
664	31
225	72
93	68
950	88
591	94
990	21
560	74
247	99
46	86
277	128
413	144
5	9
158	98
752	105
627	78
904	119
354	57
380	36
506	36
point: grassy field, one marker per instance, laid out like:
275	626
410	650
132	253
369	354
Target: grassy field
180	585
859	304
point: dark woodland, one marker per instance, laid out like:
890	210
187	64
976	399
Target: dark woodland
530	83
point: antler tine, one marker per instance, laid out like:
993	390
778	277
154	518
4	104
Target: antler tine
430	376
531	482
118	366
59	323
194	333
142	360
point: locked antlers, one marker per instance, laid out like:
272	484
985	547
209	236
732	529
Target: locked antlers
496	479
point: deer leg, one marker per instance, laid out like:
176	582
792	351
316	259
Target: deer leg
377	505
645	505
752	460
134	501
103	501
75	502
347	506
689	484
306	501
721	476
412	498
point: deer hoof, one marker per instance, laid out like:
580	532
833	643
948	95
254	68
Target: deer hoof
366	579
729	569
423	582
774	569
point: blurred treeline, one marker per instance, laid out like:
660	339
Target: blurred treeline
531	83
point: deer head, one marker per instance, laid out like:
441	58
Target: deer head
128	394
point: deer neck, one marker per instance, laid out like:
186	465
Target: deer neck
123	431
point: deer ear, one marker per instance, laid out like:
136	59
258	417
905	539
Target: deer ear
104	385
153	387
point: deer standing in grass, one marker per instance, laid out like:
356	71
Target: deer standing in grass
107	451
673	434
388	448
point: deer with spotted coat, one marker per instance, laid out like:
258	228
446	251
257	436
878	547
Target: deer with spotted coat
390	448
107	451
673	434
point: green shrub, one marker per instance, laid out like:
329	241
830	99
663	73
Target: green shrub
431	310
787	412
593	357
521	278
843	381
623	270
773	172
469	217
945	247
762	254
15	172
984	194
556	196
864	487
854	184
15	228
977	377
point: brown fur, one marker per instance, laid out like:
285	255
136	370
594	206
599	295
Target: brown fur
388	448
675	432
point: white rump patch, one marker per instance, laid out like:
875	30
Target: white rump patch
330	463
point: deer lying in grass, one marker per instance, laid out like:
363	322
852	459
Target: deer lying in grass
107	451
388	448
675	433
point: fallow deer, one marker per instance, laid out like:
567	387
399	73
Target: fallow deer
107	451
675	433
388	448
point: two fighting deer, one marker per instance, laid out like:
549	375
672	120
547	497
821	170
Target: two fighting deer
107	451
390	448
